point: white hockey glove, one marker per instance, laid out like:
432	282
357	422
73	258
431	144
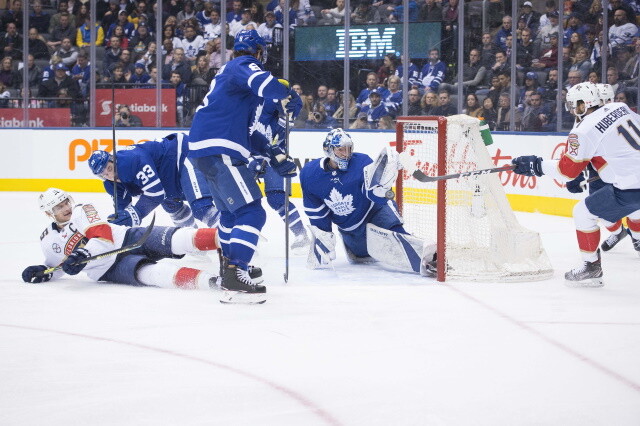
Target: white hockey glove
381	175
322	249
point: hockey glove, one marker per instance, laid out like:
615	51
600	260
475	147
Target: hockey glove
281	163
33	274
295	104
126	217
72	265
528	165
577	185
257	166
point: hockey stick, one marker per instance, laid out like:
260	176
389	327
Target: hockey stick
419	175
124	249
287	192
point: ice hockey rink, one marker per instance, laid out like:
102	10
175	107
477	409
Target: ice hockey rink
357	345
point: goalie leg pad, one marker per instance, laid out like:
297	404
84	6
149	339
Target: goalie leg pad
322	249
402	251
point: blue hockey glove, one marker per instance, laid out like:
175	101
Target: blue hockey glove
257	166
295	104
577	185
126	217
72	265
33	274
528	165
281	163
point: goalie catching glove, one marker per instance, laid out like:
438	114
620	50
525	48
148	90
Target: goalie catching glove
322	249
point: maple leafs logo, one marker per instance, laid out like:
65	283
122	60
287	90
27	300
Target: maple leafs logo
340	205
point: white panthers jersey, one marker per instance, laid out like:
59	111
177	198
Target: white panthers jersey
85	229
609	138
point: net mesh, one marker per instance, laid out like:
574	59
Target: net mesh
483	240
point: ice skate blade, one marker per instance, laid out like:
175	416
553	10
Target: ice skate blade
588	283
239	297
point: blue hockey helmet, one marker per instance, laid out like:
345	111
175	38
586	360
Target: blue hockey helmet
338	138
249	41
98	161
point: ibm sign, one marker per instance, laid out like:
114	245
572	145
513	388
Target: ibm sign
365	41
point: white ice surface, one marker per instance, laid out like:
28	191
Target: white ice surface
356	346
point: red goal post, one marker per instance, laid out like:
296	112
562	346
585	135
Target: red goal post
477	235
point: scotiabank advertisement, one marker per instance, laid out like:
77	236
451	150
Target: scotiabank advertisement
141	103
45	117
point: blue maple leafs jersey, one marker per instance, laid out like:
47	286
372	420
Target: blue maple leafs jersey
336	196
227	117
150	170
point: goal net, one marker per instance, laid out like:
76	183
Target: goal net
478	236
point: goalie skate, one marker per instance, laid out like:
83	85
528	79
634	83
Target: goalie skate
614	239
589	274
238	287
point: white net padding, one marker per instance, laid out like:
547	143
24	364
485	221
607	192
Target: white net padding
481	236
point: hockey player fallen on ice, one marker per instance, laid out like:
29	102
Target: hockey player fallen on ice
590	177
225	147
158	173
353	192
79	232
605	135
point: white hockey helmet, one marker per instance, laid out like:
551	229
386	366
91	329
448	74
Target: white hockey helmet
51	198
338	138
606	93
585	92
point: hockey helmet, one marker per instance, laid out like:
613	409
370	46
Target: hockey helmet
52	197
98	161
338	138
249	41
606	93
585	92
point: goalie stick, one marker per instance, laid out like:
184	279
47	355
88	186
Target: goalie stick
123	249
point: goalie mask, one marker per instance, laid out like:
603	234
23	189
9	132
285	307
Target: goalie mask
338	146
582	92
52	201
98	162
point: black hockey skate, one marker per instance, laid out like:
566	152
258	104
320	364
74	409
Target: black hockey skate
238	287
254	272
614	239
636	244
589	274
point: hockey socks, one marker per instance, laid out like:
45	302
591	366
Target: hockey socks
172	276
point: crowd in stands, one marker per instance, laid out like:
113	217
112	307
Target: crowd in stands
59	71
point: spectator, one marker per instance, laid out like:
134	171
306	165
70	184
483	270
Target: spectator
500	65
582	64
445	107
574	25
319	119
124	118
138	14
431	11
112	54
414	106
393	100
50	88
321	95
37	46
304	13
178	64
83	34
331	103
395	13
236	13
504	113
127	62
612	79
531	120
153	74
139	74
632	67
34	73
489	113
81	72
186	13
67	52
449	29
56	19
530	83
548	58
622	31
116	75
118	32
169	33
615	5
123	20
488	52
530	16
4	96
61	29
181	96
551	86
39	19
13	16
215	57
353	109
334	16
191	44
388	68
110	16
573	78
376	113
494	90
11	42
10	78
543	38
243	23
372	84
472	106
365	13
429	102
257	12
414	74
267	28
433	73
525	51
593	78
202	73
504	31
550	7
473	74
139	43
622	97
